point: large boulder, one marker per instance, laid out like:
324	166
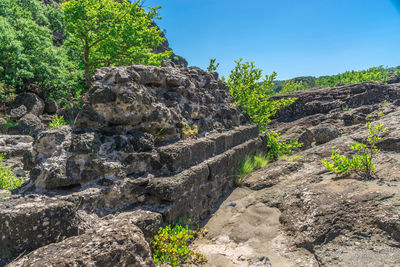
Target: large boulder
324	133
32	222
33	103
115	243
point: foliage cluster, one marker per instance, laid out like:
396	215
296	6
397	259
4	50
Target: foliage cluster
171	245
374	74
292	86
27	51
362	161
248	165
253	96
7	179
57	121
212	66
112	33
57	46
7	93
9	123
188	131
277	148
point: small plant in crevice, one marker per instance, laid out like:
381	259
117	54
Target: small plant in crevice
158	135
248	165
278	148
362	162
171	245
381	114
291	158
188	131
7	179
57	121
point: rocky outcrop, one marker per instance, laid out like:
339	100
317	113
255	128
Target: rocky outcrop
115	243
150	145
295	212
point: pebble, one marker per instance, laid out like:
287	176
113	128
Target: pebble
231	204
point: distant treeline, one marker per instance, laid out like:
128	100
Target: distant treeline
374	74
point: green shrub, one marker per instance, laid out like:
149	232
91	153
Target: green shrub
293	86
7	93
362	162
9	123
248	165
7	180
57	121
171	245
277	148
253	95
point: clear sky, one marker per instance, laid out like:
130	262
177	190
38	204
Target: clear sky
292	37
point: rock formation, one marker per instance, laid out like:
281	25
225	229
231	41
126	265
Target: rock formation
294	212
152	143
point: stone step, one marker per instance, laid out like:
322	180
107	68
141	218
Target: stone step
183	154
196	191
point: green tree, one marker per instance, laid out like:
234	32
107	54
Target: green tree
109	32
253	95
212	66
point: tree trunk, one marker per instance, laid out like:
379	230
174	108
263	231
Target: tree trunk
88	80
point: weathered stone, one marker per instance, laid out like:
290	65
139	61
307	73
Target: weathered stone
325	132
31	101
392	78
149	222
34	221
51	107
17	113
113	243
29	124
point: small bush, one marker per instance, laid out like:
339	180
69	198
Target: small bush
278	148
362	162
9	123
7	180
171	245
58	121
248	165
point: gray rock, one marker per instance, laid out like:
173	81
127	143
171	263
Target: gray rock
325	132
392	78
17	113
31	101
51	107
29	123
113	243
34	221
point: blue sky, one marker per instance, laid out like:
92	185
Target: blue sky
291	37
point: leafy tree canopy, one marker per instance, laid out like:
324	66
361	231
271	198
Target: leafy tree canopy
27	52
109	32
